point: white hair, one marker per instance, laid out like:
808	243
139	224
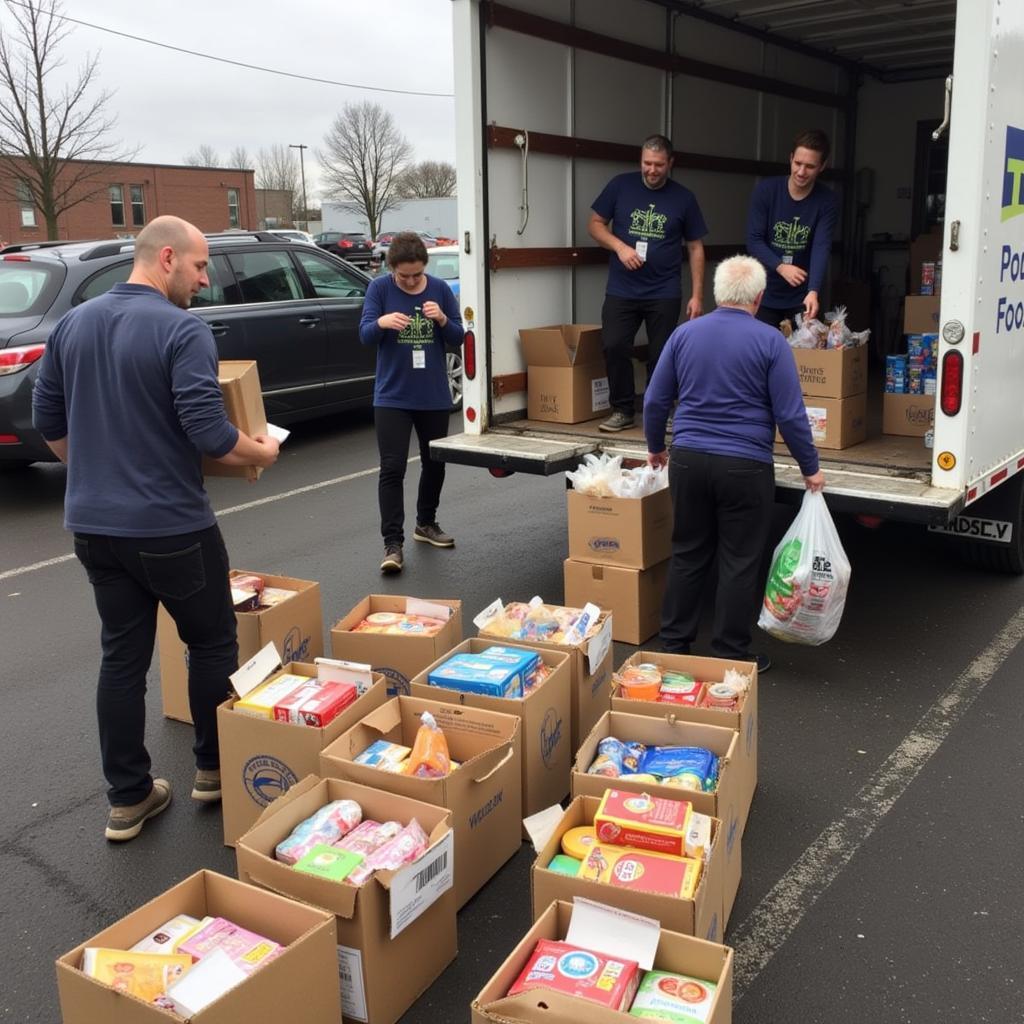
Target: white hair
738	281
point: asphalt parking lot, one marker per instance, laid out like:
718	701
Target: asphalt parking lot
882	857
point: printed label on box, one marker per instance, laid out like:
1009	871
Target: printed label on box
599	645
817	418
353	991
599	394
415	888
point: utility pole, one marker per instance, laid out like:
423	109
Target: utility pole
302	170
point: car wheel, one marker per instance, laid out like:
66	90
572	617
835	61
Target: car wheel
453	367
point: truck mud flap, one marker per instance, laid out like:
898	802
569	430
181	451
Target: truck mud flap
540	456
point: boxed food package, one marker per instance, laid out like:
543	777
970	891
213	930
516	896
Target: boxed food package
590	657
566	377
908	415
677	971
634	533
303	973
239	381
832	372
484	793
396	931
632	596
397	636
545	710
261	757
293	624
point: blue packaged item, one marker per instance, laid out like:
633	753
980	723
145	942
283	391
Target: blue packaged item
699	764
476	673
526	662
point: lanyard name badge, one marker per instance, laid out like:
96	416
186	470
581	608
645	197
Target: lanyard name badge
419	359
641	250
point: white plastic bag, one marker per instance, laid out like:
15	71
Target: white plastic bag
807	583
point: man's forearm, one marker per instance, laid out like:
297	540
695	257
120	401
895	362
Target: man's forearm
602	234
248	452
59	448
696	251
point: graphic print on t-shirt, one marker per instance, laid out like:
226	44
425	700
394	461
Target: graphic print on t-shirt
790	236
647	224
419	330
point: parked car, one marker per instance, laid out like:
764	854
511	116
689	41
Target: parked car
380	246
443	262
353	246
292	308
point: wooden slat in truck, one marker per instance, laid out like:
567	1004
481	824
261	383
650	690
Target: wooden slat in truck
552	99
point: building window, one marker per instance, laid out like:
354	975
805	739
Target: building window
138	205
28	207
117	205
232	207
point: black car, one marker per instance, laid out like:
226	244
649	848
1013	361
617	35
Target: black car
349	245
293	309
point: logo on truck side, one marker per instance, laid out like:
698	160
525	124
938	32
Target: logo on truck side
1013	174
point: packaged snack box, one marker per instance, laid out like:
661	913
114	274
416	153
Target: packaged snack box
642	821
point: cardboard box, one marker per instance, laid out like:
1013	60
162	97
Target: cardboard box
701	916
303	975
633	596
546	713
295	627
566	377
261	758
239	381
677	953
727	803
380	976
399	658
634	533
836	422
485	794
742	721
921	314
832	372
908	415
591	666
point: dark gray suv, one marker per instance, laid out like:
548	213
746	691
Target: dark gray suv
292	308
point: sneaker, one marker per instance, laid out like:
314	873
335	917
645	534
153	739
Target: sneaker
392	562
763	663
431	533
206	788
126	822
617	421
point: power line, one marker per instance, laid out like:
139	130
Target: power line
239	63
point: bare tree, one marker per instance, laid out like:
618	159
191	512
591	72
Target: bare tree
241	159
45	126
277	167
363	157
428	179
202	156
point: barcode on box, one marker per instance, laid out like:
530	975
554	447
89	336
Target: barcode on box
431	871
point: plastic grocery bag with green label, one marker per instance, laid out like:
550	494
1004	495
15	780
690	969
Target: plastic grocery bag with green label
807	583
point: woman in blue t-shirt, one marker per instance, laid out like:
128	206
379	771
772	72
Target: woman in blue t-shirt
413	319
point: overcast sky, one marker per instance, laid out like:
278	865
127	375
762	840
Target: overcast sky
169	103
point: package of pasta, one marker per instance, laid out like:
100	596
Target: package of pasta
403	848
429	758
327	826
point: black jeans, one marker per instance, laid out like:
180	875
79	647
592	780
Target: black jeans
769	315
394	428
721	513
620	321
130	576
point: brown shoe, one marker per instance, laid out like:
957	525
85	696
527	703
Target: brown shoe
206	788
431	533
126	822
392	562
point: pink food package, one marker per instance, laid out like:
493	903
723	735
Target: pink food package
404	848
327	826
246	949
369	836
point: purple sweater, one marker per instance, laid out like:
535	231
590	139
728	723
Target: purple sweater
735	379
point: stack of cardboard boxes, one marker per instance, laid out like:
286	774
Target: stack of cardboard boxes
834	382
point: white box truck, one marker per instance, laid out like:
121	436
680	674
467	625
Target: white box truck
553	97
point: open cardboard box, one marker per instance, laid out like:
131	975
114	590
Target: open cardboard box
295	627
674	952
670	731
566	377
261	758
701	916
546	712
743	720
832	372
399	658
634	533
303	975
484	793
383	971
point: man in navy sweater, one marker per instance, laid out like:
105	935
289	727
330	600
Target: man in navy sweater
127	396
645	219
734	379
789	229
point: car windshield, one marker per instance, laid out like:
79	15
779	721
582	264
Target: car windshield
444	265
27	288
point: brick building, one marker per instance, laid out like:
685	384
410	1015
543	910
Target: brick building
130	195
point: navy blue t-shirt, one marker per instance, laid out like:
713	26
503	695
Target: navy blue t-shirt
665	218
781	229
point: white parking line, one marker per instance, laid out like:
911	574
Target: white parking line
36	566
760	935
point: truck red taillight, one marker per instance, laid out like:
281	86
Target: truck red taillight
14	360
469	355
952	391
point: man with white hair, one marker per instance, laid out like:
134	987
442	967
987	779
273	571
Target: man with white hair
734	379
127	396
